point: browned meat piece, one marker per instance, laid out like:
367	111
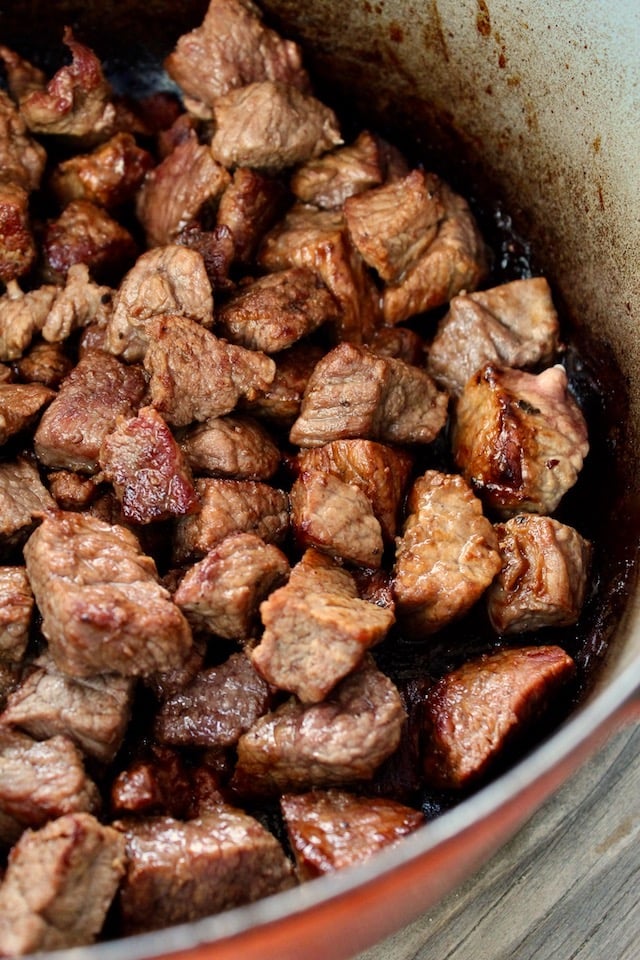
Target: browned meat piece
232	446
332	829
230	49
280	402
109	176
317	630
329	180
45	363
515	325
23	497
59	885
72	491
543	580
16	609
215	862
216	708
275	311
92	712
454	261
380	471
175	133
354	393
180	188
147	468
20	406
79	303
374	586
22	315
271	126
22	159
196	376
217	249
231	506
393	225
169	682
223	591
170	280
98	390
399	342
249	207
335	517
103	608
17	245
447	555
341	740
32	798
319	239
161	783
85	233
478	710
519	438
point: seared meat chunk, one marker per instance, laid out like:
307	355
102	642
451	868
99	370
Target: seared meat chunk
85	233
217	249
196	376
515	325
447	555
223	591
98	390
218	861
473	713
180	188
316	632
275	311
231	446
335	517
45	363
166	683
23	497
109	176
17	245
543	577
22	315
168	280
231	48
22	159
354	393
399	342
216	708
72	491
332	829
79	303
271	126
231	506
59	885
329	180
102	606
16	609
147	468
342	740
280	403
249	207
91	711
519	438
20	405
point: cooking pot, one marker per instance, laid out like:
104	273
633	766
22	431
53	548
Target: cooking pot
536	105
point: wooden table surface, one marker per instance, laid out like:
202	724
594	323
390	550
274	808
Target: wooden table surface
567	887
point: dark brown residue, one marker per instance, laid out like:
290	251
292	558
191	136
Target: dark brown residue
483	19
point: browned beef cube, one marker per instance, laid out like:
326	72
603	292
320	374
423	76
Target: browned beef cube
193	869
33	798
59	885
22	159
335	517
454	261
475	712
16	609
544	572
280	402
85	233
232	446
223	591
230	49
275	311
45	363
143	461
72	491
79	303
20	405
519	438
196	376
169	280
161	783
315	637
178	190
109	176
102	606
22	315
249	207
179	130
354	393
380	471
216	708
93	712
318	239
332	829
399	342
231	506
217	249
23	497
166	683
97	391
329	180
513	325
447	555
17	245
342	740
